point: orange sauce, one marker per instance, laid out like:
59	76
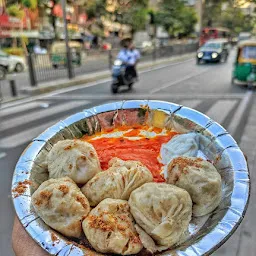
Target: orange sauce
145	150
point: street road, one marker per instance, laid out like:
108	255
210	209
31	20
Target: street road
206	88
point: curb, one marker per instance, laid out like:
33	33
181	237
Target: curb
60	84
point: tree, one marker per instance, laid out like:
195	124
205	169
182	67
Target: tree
31	4
130	12
231	16
136	16
236	20
176	18
212	12
189	19
95	8
15	10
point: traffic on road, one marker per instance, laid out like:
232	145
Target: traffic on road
206	88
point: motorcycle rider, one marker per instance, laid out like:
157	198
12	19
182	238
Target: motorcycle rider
135	57
129	57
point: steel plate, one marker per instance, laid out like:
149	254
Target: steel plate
206	233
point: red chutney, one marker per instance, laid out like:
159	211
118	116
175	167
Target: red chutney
145	150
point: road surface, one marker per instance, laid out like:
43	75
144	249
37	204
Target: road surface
206	88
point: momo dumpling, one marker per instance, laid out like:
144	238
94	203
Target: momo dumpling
163	211
110	228
73	158
200	178
179	145
61	205
117	182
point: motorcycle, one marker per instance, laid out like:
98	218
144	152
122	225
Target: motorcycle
120	78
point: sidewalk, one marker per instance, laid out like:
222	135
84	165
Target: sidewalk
243	242
84	79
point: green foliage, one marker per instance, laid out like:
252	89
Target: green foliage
136	17
176	18
31	4
14	10
131	12
231	17
95	8
236	21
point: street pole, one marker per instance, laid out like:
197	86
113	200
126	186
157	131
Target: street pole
69	61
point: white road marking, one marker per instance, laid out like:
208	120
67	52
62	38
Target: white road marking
20	138
73	88
240	112
2	155
190	103
19	108
220	110
134	96
166	85
37	115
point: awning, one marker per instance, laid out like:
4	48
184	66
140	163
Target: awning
28	34
9	22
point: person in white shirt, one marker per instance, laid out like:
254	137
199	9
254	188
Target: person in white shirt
124	54
130	57
135	57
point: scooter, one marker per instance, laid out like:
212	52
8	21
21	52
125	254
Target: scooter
119	76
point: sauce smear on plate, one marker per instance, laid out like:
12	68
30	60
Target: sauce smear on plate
145	149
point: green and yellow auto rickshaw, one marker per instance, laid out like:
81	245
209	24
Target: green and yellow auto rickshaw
59	54
244	71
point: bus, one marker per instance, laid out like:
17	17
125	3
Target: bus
213	33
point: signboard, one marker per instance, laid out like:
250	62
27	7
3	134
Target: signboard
7	21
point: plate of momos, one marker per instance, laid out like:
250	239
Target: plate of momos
71	205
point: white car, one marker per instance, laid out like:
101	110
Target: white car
12	63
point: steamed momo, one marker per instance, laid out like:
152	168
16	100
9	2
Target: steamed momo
117	182
110	228
163	211
61	205
200	178
73	158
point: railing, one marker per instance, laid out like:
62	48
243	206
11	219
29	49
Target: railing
49	67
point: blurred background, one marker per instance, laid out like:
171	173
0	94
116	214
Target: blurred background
58	57
32	33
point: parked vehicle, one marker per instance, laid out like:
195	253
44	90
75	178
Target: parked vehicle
120	78
11	63
244	36
213	51
244	71
58	53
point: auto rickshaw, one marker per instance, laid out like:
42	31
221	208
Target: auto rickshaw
58	53
244	71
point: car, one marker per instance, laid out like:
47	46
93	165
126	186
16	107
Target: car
11	63
216	50
243	36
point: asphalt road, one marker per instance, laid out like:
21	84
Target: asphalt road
206	88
